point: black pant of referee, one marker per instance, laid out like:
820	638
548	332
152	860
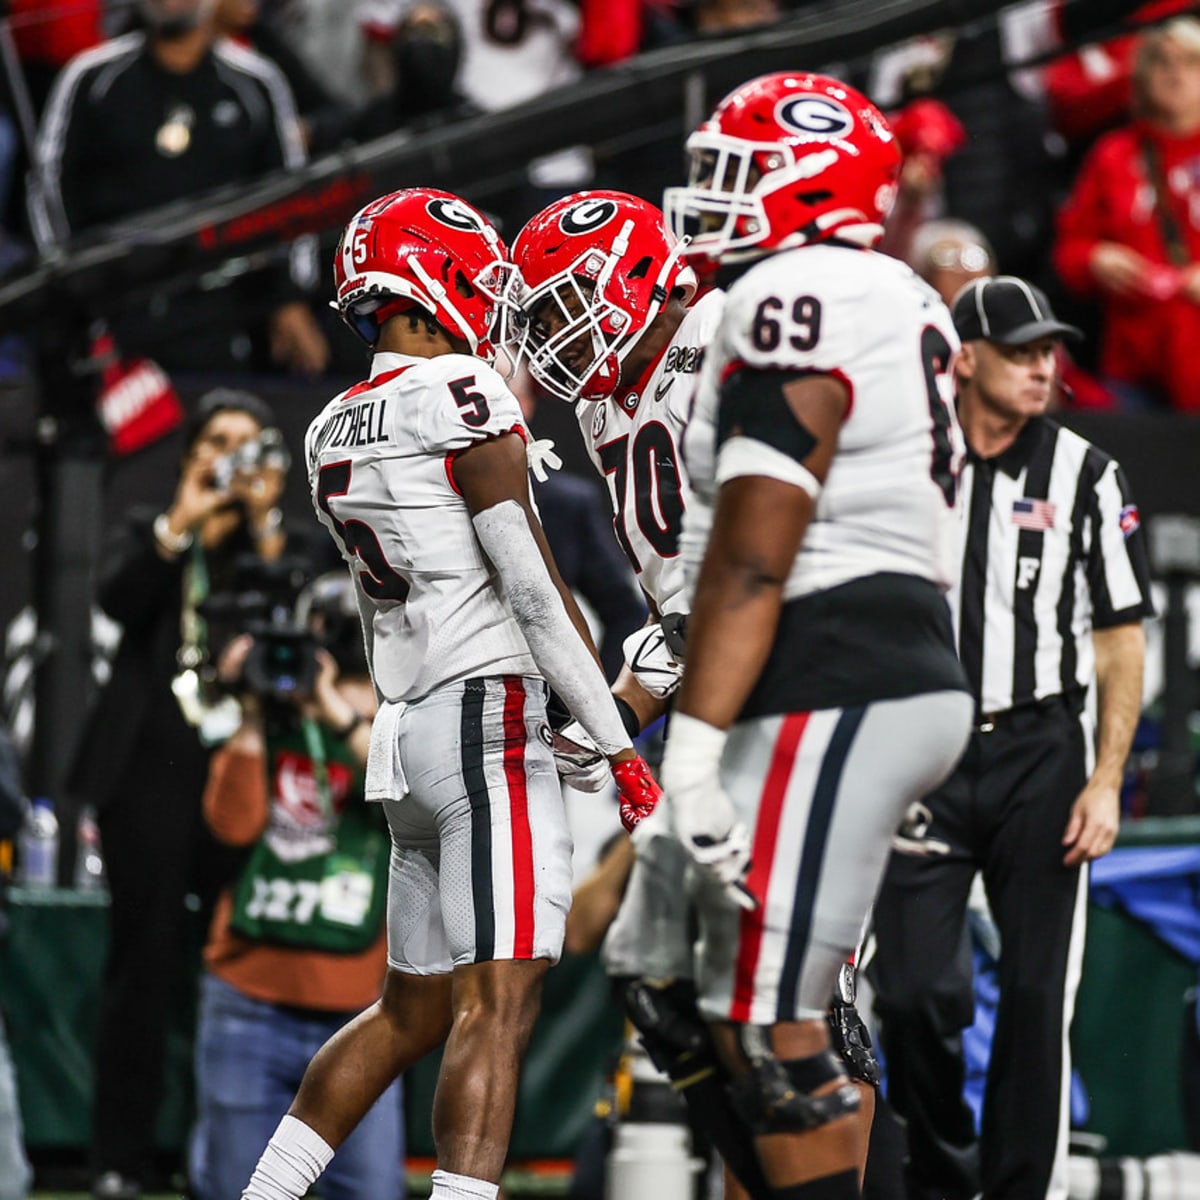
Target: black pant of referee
1002	812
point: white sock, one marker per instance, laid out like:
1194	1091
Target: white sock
462	1187
294	1158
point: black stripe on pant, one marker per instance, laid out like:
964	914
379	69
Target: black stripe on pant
1003	811
474	695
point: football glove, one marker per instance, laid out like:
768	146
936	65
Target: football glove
651	661
637	791
702	814
578	761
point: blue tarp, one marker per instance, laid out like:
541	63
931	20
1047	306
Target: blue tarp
1159	886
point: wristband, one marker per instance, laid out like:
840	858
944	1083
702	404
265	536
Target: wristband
693	752
628	717
172	543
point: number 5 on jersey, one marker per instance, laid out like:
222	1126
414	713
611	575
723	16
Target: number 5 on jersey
380	581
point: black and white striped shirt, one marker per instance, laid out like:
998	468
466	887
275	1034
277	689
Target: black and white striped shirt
1052	548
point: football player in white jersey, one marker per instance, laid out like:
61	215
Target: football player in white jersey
821	693
420	475
608	328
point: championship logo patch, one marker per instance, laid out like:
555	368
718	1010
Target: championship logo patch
1129	519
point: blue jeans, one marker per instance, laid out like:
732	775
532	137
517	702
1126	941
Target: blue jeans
250	1057
15	1175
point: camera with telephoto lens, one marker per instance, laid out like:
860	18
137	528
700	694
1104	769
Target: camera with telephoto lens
265	451
281	666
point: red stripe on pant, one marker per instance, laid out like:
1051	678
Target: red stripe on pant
762	856
518	807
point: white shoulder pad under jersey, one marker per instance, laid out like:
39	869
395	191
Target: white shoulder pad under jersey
380	460
634	438
868	320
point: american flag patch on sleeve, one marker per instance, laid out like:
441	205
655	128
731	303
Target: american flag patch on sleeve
1033	514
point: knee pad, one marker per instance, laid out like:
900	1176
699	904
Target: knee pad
777	1097
852	1042
669	1023
678	1042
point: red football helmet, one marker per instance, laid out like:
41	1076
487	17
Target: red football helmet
428	248
593	270
786	160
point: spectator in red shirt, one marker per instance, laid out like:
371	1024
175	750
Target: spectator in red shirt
1129	233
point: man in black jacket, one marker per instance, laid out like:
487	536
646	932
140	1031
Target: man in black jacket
143	765
164	115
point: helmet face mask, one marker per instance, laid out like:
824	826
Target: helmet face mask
595	270
576	335
429	248
786	160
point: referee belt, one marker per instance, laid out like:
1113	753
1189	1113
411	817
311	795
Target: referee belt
1029	716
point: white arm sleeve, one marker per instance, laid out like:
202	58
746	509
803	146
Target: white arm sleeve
554	642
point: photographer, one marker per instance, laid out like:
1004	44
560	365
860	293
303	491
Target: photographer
296	947
141	760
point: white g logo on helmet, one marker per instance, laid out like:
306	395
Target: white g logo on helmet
814	116
455	214
587	216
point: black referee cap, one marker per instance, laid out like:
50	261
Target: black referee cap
1008	311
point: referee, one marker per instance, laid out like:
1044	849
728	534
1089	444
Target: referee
1052	592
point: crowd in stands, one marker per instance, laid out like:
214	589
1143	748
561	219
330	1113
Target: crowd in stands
1074	161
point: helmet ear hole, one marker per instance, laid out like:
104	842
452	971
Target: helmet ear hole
640	269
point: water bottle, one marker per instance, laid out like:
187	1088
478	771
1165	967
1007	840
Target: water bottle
651	1156
37	846
89	861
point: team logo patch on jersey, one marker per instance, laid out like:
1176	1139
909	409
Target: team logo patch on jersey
1130	519
599	421
546	736
814	116
629	401
454	214
1033	514
586	216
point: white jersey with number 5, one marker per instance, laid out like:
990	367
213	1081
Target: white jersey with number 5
379	466
634	437
887	505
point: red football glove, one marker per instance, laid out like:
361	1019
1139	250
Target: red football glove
636	790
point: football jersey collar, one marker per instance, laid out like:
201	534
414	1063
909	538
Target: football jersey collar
1013	460
386	361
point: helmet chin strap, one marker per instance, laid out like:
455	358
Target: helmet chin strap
441	299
